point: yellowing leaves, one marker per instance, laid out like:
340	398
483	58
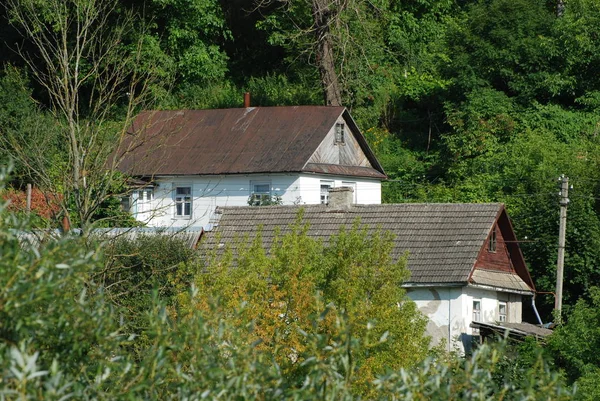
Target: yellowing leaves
302	287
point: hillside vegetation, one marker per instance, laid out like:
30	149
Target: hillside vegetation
462	101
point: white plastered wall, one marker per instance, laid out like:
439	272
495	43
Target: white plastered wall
210	192
450	312
367	191
234	190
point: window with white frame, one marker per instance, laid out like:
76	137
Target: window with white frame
145	195
325	186
142	200
260	193
502	311
340	133
477	310
183	202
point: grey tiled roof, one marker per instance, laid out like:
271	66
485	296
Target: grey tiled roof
443	240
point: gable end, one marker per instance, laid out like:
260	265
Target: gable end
501	251
344	145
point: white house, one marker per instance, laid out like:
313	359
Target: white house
465	262
189	162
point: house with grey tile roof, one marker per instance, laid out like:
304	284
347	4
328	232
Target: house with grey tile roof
188	162
465	261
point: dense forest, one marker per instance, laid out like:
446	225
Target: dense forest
462	101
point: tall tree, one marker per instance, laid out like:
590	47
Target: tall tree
336	37
325	13
95	74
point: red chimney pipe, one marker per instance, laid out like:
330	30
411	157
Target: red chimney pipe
247	99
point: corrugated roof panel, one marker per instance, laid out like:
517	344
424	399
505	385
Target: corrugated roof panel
233	141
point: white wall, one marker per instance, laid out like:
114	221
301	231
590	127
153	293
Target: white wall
443	306
210	192
450	312
234	190
367	191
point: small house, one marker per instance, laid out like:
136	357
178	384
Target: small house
186	163
465	262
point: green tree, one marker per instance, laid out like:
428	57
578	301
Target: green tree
298	278
573	345
96	81
187	36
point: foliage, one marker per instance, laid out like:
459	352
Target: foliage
96	80
139	270
63	336
23	123
482	376
187	36
43	206
352	277
264	200
573	346
469	101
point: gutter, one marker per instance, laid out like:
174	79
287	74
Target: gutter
501	289
428	285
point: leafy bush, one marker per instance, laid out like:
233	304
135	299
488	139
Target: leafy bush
573	346
480	377
140	269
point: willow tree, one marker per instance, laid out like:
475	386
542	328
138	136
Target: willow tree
89	58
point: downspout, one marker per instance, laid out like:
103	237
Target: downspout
535	310
449	318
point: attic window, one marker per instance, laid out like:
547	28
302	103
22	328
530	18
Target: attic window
340	134
492	242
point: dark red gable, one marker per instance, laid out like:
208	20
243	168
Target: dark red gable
498	260
508	256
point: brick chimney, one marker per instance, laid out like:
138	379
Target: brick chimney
247	99
341	198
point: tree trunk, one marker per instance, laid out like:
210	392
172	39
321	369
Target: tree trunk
560	8
323	17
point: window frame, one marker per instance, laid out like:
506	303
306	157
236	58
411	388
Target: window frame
324	195
502	317
476	315
183	201
126	203
258	197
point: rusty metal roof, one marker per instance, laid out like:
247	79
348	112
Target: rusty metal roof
235	141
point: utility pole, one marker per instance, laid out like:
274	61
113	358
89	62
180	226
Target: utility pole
564	201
